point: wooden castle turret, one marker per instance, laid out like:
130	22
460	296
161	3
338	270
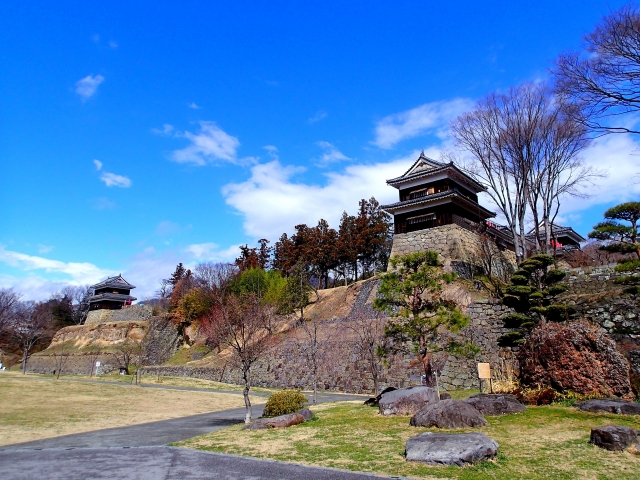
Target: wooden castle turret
111	294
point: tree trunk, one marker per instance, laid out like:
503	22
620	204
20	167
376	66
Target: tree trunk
245	394
428	371
25	353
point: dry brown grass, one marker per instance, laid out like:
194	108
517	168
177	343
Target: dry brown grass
34	407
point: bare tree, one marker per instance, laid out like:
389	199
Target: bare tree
310	346
244	325
605	80
61	354
28	327
9	301
369	344
128	352
525	148
79	297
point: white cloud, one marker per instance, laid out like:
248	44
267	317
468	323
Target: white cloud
114	180
272	151
87	86
98	164
272	202
195	106
319	115
211	252
331	154
430	117
44	248
210	144
80	272
113	44
167	129
618	156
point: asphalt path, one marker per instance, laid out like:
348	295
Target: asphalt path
151	463
161	432
140	452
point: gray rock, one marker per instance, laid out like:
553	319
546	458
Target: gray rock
450	448
281	421
610	405
407	401
374	401
613	437
306	414
449	414
496	404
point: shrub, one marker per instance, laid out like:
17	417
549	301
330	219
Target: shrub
286	401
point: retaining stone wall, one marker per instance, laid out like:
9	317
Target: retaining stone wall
454	245
342	370
128	313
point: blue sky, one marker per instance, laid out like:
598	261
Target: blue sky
135	137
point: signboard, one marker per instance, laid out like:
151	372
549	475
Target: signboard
97	364
484	371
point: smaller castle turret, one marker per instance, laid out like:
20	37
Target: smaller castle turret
111	294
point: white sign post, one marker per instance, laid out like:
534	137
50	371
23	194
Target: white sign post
97	368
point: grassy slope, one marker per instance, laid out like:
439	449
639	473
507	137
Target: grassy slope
548	442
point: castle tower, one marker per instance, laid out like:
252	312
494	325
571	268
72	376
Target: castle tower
111	294
438	210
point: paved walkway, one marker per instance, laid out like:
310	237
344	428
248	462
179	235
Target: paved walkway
161	432
140	452
152	463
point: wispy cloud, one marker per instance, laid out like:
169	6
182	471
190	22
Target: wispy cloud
86	87
195	106
114	180
44	248
80	272
98	164
271	151
167	129
211	252
113	44
320	114
331	154
102	203
428	118
209	145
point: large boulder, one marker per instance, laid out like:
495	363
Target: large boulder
449	414
610	405
574	356
450	448
495	404
613	437
281	421
306	414
407	401
374	401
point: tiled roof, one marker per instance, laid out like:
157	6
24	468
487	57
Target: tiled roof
116	282
440	195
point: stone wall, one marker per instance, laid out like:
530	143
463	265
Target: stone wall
454	244
128	313
342	370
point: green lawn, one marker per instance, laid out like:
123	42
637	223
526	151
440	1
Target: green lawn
549	442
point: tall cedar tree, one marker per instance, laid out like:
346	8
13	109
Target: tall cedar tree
411	293
532	294
621	238
346	247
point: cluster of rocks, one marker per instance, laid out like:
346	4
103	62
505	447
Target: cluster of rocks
428	409
281	421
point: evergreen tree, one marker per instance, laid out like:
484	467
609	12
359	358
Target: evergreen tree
621	238
411	292
533	293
